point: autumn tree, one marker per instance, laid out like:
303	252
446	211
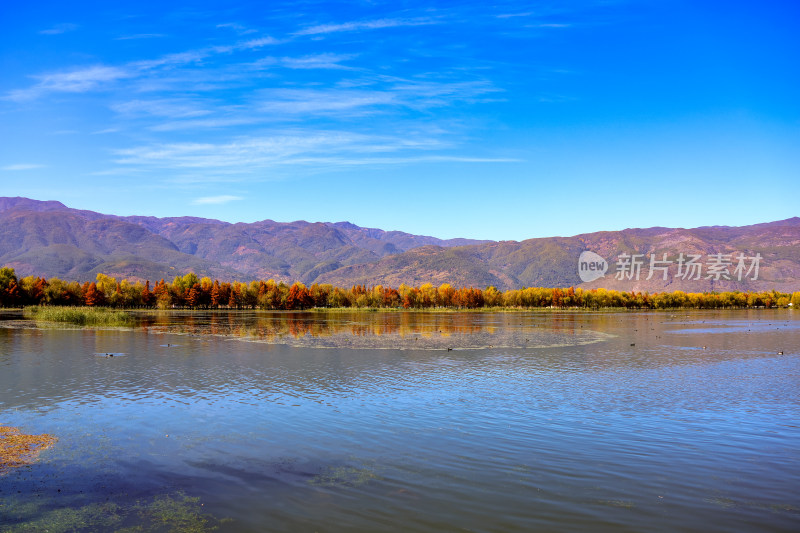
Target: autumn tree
795	301
444	295
492	297
58	292
427	295
92	296
107	286
338	298
9	288
216	297
163	295
147	296
299	297
193	295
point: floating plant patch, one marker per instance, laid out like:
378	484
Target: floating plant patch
18	449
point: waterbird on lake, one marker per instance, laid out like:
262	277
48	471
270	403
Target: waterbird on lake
780	353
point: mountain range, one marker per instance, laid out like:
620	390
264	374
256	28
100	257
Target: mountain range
47	238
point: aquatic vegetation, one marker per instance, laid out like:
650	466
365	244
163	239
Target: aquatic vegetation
17	449
345	476
91	517
81	316
164	513
176	513
624	504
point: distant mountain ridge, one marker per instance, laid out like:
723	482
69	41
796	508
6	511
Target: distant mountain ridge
50	239
47	238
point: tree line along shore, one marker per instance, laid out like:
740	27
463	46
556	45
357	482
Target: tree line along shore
191	292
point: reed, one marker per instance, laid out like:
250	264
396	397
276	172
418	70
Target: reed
81	316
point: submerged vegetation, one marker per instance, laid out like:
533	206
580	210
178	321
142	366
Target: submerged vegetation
18	449
346	476
191	292
82	316
164	513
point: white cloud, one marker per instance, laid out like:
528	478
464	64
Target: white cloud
222	199
321	101
171	60
175	108
349	102
96	77
73	81
316	61
364	25
59	28
241	119
238	28
258	43
249	153
23	166
139	36
512	15
548	25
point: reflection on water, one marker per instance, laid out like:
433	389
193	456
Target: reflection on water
554	421
378	330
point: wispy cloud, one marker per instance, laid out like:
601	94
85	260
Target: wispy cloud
73	81
59	28
550	25
317	61
221	199
238	28
258	43
170	60
255	157
176	108
365	25
98	77
140	36
22	166
314	119
249	154
396	93
514	15
322	101
394	98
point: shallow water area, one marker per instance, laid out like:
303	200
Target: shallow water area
382	421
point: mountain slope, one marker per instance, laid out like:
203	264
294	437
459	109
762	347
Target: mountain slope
150	247
50	239
553	262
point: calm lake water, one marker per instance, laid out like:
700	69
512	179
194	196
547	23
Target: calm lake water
258	421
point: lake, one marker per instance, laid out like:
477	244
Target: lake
404	421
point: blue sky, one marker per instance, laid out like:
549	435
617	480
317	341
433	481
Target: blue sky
508	120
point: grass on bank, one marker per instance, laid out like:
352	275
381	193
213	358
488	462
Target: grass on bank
81	316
